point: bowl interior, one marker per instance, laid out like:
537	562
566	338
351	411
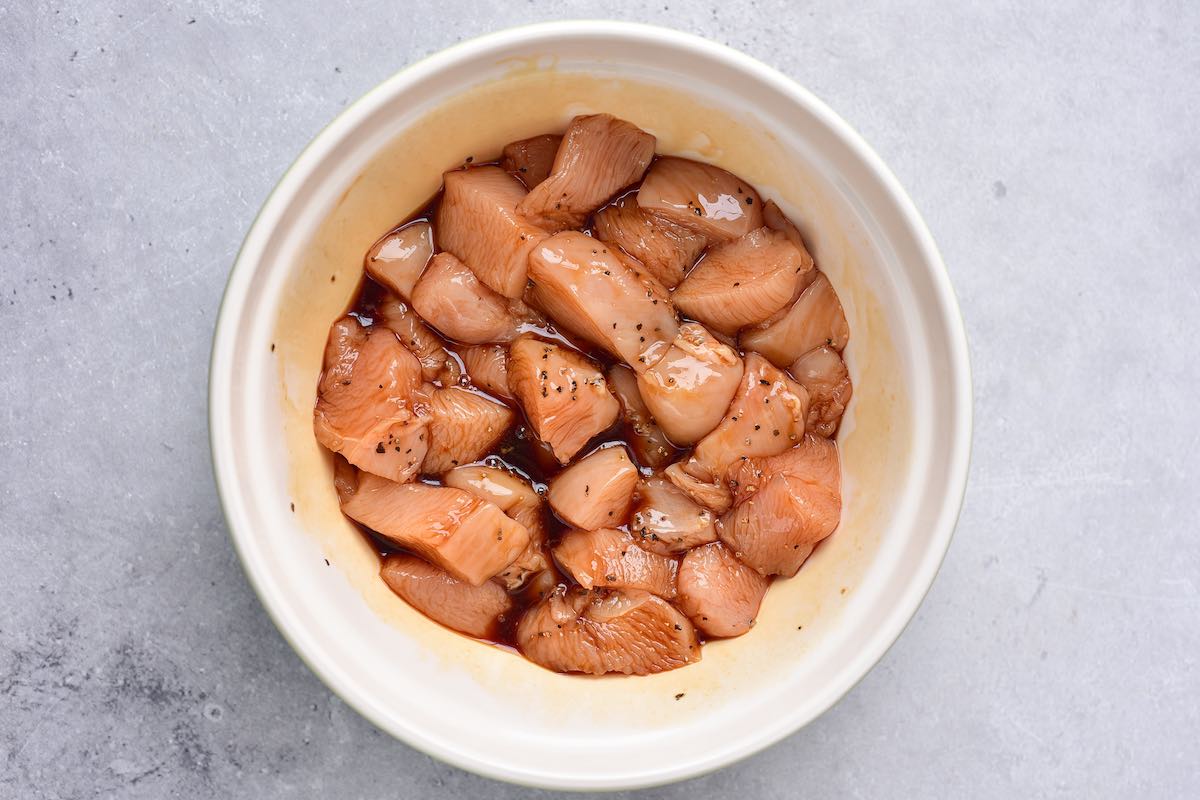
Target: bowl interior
484	708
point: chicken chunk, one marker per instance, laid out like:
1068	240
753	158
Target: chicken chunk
530	160
564	395
823	374
487	367
668	522
465	427
596	491
450	298
716	204
744	281
599	156
477	611
609	558
398	259
651	447
601	631
516	498
776	220
815	319
666	250
689	389
367	407
785	504
708	492
720	594
437	364
589	289
477	222
468	537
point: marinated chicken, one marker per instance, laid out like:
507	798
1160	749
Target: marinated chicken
618	378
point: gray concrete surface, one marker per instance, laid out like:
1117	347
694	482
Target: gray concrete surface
1056	156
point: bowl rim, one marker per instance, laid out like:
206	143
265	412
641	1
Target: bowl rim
250	254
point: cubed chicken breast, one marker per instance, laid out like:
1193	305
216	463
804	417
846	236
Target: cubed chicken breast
823	374
596	491
397	260
651	447
776	220
518	499
609	558
720	594
599	155
478	611
367	408
563	394
745	281
530	160
785	504
487	367
689	389
465	426
716	204
477	221
450	298
708	492
668	522
437	363
666	250
601	631
815	319
589	289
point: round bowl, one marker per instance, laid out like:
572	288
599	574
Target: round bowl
904	444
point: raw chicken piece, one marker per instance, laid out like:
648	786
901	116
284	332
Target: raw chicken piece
689	389
465	427
666	521
744	281
713	495
813	320
596	491
471	539
454	301
701	197
518	500
609	558
398	259
530	160
823	375
600	631
720	594
651	447
366	401
588	288
564	395
477	611
666	250
345	478
785	505
477	222
599	156
436	361
487	367
776	220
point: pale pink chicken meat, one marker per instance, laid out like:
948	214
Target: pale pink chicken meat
665	249
398	259
599	155
690	387
487	367
464	427
477	222
530	160
437	363
477	611
706	199
776	220
596	491
345	478
450	298
367	406
588	288
610	558
667	521
603	630
785	505
720	594
815	319
823	374
650	445
745	281
563	394
518	499
468	537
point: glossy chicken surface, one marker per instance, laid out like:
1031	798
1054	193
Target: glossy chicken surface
584	403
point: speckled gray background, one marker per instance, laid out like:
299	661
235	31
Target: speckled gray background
1056	156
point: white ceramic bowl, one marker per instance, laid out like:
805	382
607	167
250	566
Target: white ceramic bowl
905	443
